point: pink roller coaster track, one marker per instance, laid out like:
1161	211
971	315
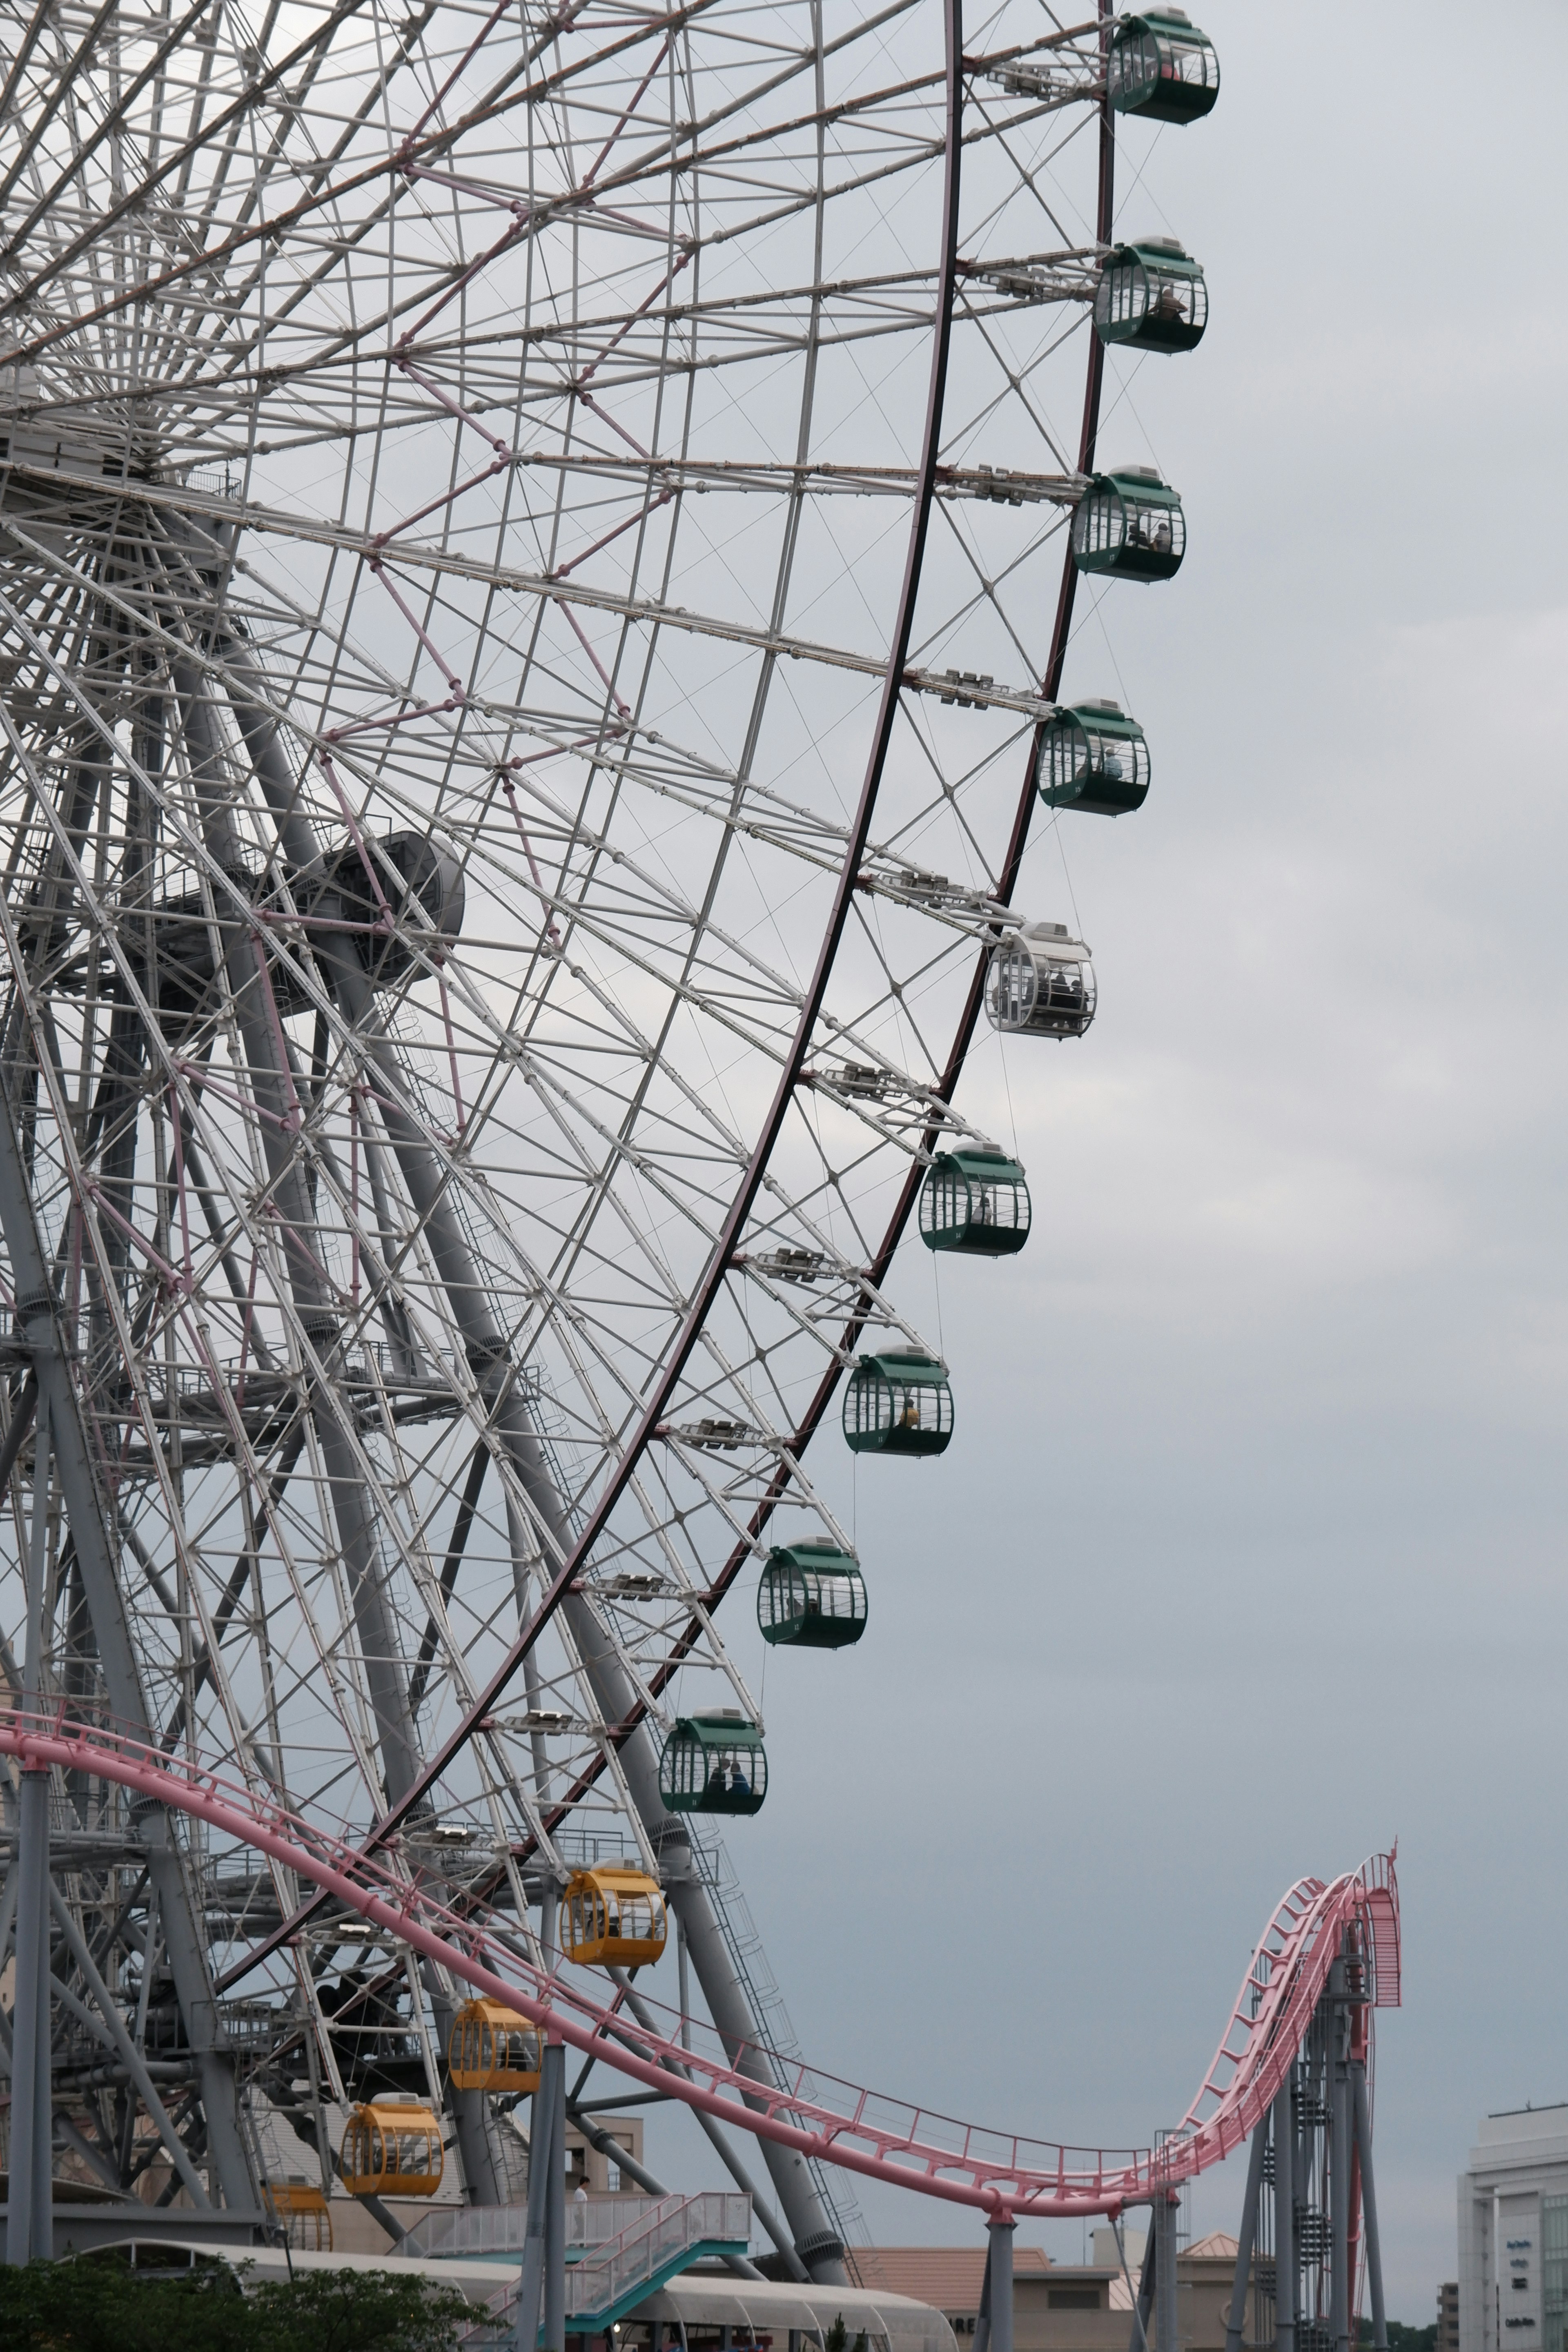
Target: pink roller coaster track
815	2113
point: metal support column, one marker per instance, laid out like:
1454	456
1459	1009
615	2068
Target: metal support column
1247	2239
30	2225
544	2158
1361	2109
1143	2300
1285	2271
89	1516
553	2083
982	2319
1340	2172
999	2265
1167	2209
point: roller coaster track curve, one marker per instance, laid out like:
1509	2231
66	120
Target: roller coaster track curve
1315	1924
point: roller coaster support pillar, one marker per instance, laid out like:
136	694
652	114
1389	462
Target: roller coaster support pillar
1144	2302
553	2083
1361	2108
1247	2239
1285	2271
1340	2172
982	2318
543	2162
1167	2209
1000	2266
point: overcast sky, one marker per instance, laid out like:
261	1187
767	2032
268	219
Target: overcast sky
1247	1557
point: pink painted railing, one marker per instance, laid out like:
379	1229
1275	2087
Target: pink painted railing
784	2100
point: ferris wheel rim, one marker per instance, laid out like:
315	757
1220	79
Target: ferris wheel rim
946	1086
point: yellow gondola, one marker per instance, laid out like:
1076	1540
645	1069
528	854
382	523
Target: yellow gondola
613	1919
302	2211
493	2049
391	2147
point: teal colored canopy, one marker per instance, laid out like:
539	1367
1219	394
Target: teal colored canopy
1093	758
1131	525
898	1403
812	1596
976	1202
1163	68
1152	297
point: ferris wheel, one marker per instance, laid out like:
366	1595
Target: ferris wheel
539	546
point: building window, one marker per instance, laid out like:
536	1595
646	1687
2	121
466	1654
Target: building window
1082	2298
1555	2274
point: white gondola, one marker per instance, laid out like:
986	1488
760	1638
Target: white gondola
1041	983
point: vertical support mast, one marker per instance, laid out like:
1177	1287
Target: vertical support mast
999	2273
1361	2109
1246	2238
87	1515
1287	2278
30	2223
1167	2209
1339	2035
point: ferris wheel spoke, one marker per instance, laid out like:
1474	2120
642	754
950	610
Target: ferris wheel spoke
203	138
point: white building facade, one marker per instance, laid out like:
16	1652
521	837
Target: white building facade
1513	2234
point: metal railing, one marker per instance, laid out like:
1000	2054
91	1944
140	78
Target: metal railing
615	2272
501	2229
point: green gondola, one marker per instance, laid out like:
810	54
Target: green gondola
974	1201
898	1403
1093	758
812	1596
713	1764
1131	525
1153	297
1163	68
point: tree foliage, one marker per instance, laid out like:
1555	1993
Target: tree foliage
94	2305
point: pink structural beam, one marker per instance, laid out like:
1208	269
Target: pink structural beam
781	2099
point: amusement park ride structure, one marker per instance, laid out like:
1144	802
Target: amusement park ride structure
502	873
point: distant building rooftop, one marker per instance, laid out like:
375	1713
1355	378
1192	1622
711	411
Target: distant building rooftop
947	2277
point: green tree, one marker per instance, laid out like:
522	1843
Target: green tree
1402	2337
356	2311
97	2306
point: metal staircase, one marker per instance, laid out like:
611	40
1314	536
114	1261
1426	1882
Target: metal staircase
618	2250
